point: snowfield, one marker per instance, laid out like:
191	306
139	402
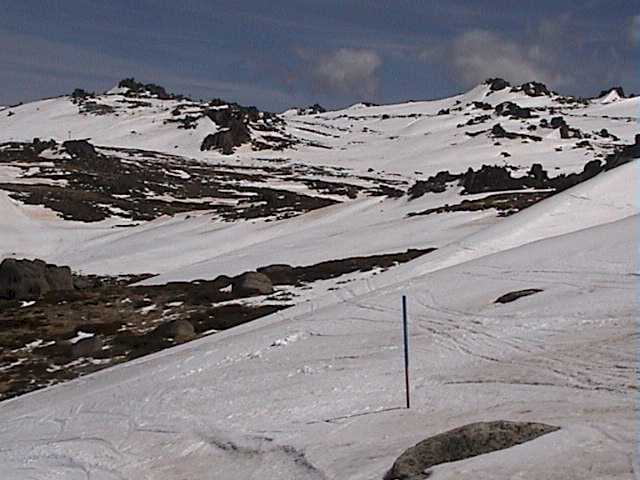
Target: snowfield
316	391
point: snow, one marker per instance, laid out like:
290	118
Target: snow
234	403
80	335
316	391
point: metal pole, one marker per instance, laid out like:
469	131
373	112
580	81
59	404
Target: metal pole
406	350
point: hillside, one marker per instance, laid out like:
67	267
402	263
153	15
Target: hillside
160	204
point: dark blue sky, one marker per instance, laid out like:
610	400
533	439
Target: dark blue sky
279	53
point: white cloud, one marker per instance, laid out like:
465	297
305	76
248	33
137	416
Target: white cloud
479	54
347	71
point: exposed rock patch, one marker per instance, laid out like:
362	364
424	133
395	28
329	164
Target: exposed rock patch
252	283
87	347
533	89
30	279
515	295
496	84
461	443
513	110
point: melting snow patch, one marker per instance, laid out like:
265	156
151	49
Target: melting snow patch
146	310
27	304
18	362
80	335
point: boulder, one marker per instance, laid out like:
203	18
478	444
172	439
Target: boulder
567	132
482	105
497	84
280	274
539	175
30	279
179	330
461	443
80	149
557	122
252	283
513	110
87	347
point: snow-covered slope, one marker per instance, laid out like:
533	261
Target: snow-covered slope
315	391
358	147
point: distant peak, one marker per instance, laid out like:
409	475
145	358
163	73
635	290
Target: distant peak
617	90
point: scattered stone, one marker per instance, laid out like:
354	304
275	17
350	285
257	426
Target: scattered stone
515	295
461	443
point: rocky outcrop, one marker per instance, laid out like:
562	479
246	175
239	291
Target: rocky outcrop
150	89
619	90
493	178
533	89
233	128
567	132
497	131
227	140
555	122
461	443
496	84
623	155
80	149
312	109
434	184
30	279
489	178
513	110
252	283
482	105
